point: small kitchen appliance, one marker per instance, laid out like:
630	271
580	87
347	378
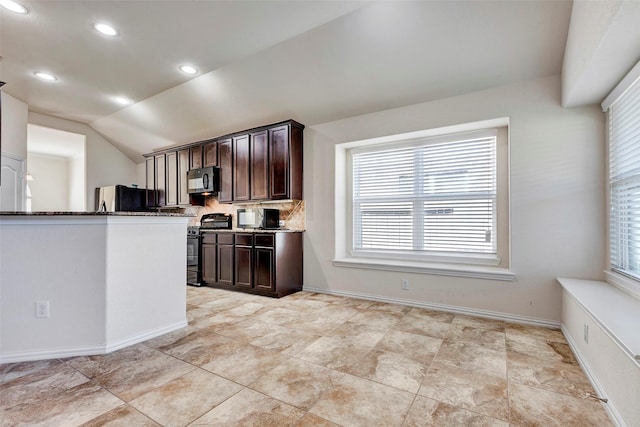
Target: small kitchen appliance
203	181
219	221
258	218
120	198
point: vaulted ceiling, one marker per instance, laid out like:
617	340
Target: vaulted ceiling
265	61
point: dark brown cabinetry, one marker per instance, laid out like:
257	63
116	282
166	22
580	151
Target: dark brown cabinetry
225	161
259	164
171	178
183	168
241	168
195	157
263	263
259	179
210	154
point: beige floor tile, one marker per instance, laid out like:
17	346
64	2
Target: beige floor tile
334	352
199	347
133	371
280	316
428	412
359	402
551	375
534	407
390	369
377	319
472	357
39	383
474	391
297	382
487	338
122	416
420	348
11	371
545	349
438	316
548	334
244	363
288	342
69	407
422	325
179	402
479	322
364	335
311	420
250	408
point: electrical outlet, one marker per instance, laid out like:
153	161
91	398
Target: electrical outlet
586	333
405	284
42	309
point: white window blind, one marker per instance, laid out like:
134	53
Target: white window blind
434	196
624	182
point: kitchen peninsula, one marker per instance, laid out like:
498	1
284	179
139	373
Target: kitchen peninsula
83	283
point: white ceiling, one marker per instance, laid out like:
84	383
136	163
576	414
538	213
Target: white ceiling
266	61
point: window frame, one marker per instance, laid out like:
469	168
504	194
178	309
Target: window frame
477	265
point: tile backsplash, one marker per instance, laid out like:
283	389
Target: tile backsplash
292	212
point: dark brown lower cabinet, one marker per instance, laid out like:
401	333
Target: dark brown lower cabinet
225	260
261	263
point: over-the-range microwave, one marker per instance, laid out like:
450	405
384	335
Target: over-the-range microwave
203	181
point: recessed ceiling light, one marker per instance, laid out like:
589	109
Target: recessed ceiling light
105	29
188	69
45	76
13	6
122	100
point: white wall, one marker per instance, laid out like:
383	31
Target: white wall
557	201
14	126
77	191
50	185
105	164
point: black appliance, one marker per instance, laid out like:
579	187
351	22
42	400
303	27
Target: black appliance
258	218
120	198
219	221
203	181
193	256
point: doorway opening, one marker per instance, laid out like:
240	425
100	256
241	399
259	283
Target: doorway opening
56	178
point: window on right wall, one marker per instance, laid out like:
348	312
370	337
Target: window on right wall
623	114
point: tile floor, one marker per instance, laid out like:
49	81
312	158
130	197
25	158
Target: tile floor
312	360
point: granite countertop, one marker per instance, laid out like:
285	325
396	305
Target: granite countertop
48	213
251	230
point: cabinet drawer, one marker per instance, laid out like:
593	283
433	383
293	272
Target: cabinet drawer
225	239
265	240
244	239
209	238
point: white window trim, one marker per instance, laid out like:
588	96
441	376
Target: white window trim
628	284
470	266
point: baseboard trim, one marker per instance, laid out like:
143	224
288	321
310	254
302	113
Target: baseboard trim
610	406
507	317
61	353
117	345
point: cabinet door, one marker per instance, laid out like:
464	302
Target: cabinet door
241	165
259	166
208	259
183	168
224	274
210	154
244	258
279	162
195	154
161	185
264	269
172	178
225	161
151	181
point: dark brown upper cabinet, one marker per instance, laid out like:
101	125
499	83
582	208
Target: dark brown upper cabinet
285	161
160	180
210	154
171	175
259	182
241	168
183	168
225	162
195	154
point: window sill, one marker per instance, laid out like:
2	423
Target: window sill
474	272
